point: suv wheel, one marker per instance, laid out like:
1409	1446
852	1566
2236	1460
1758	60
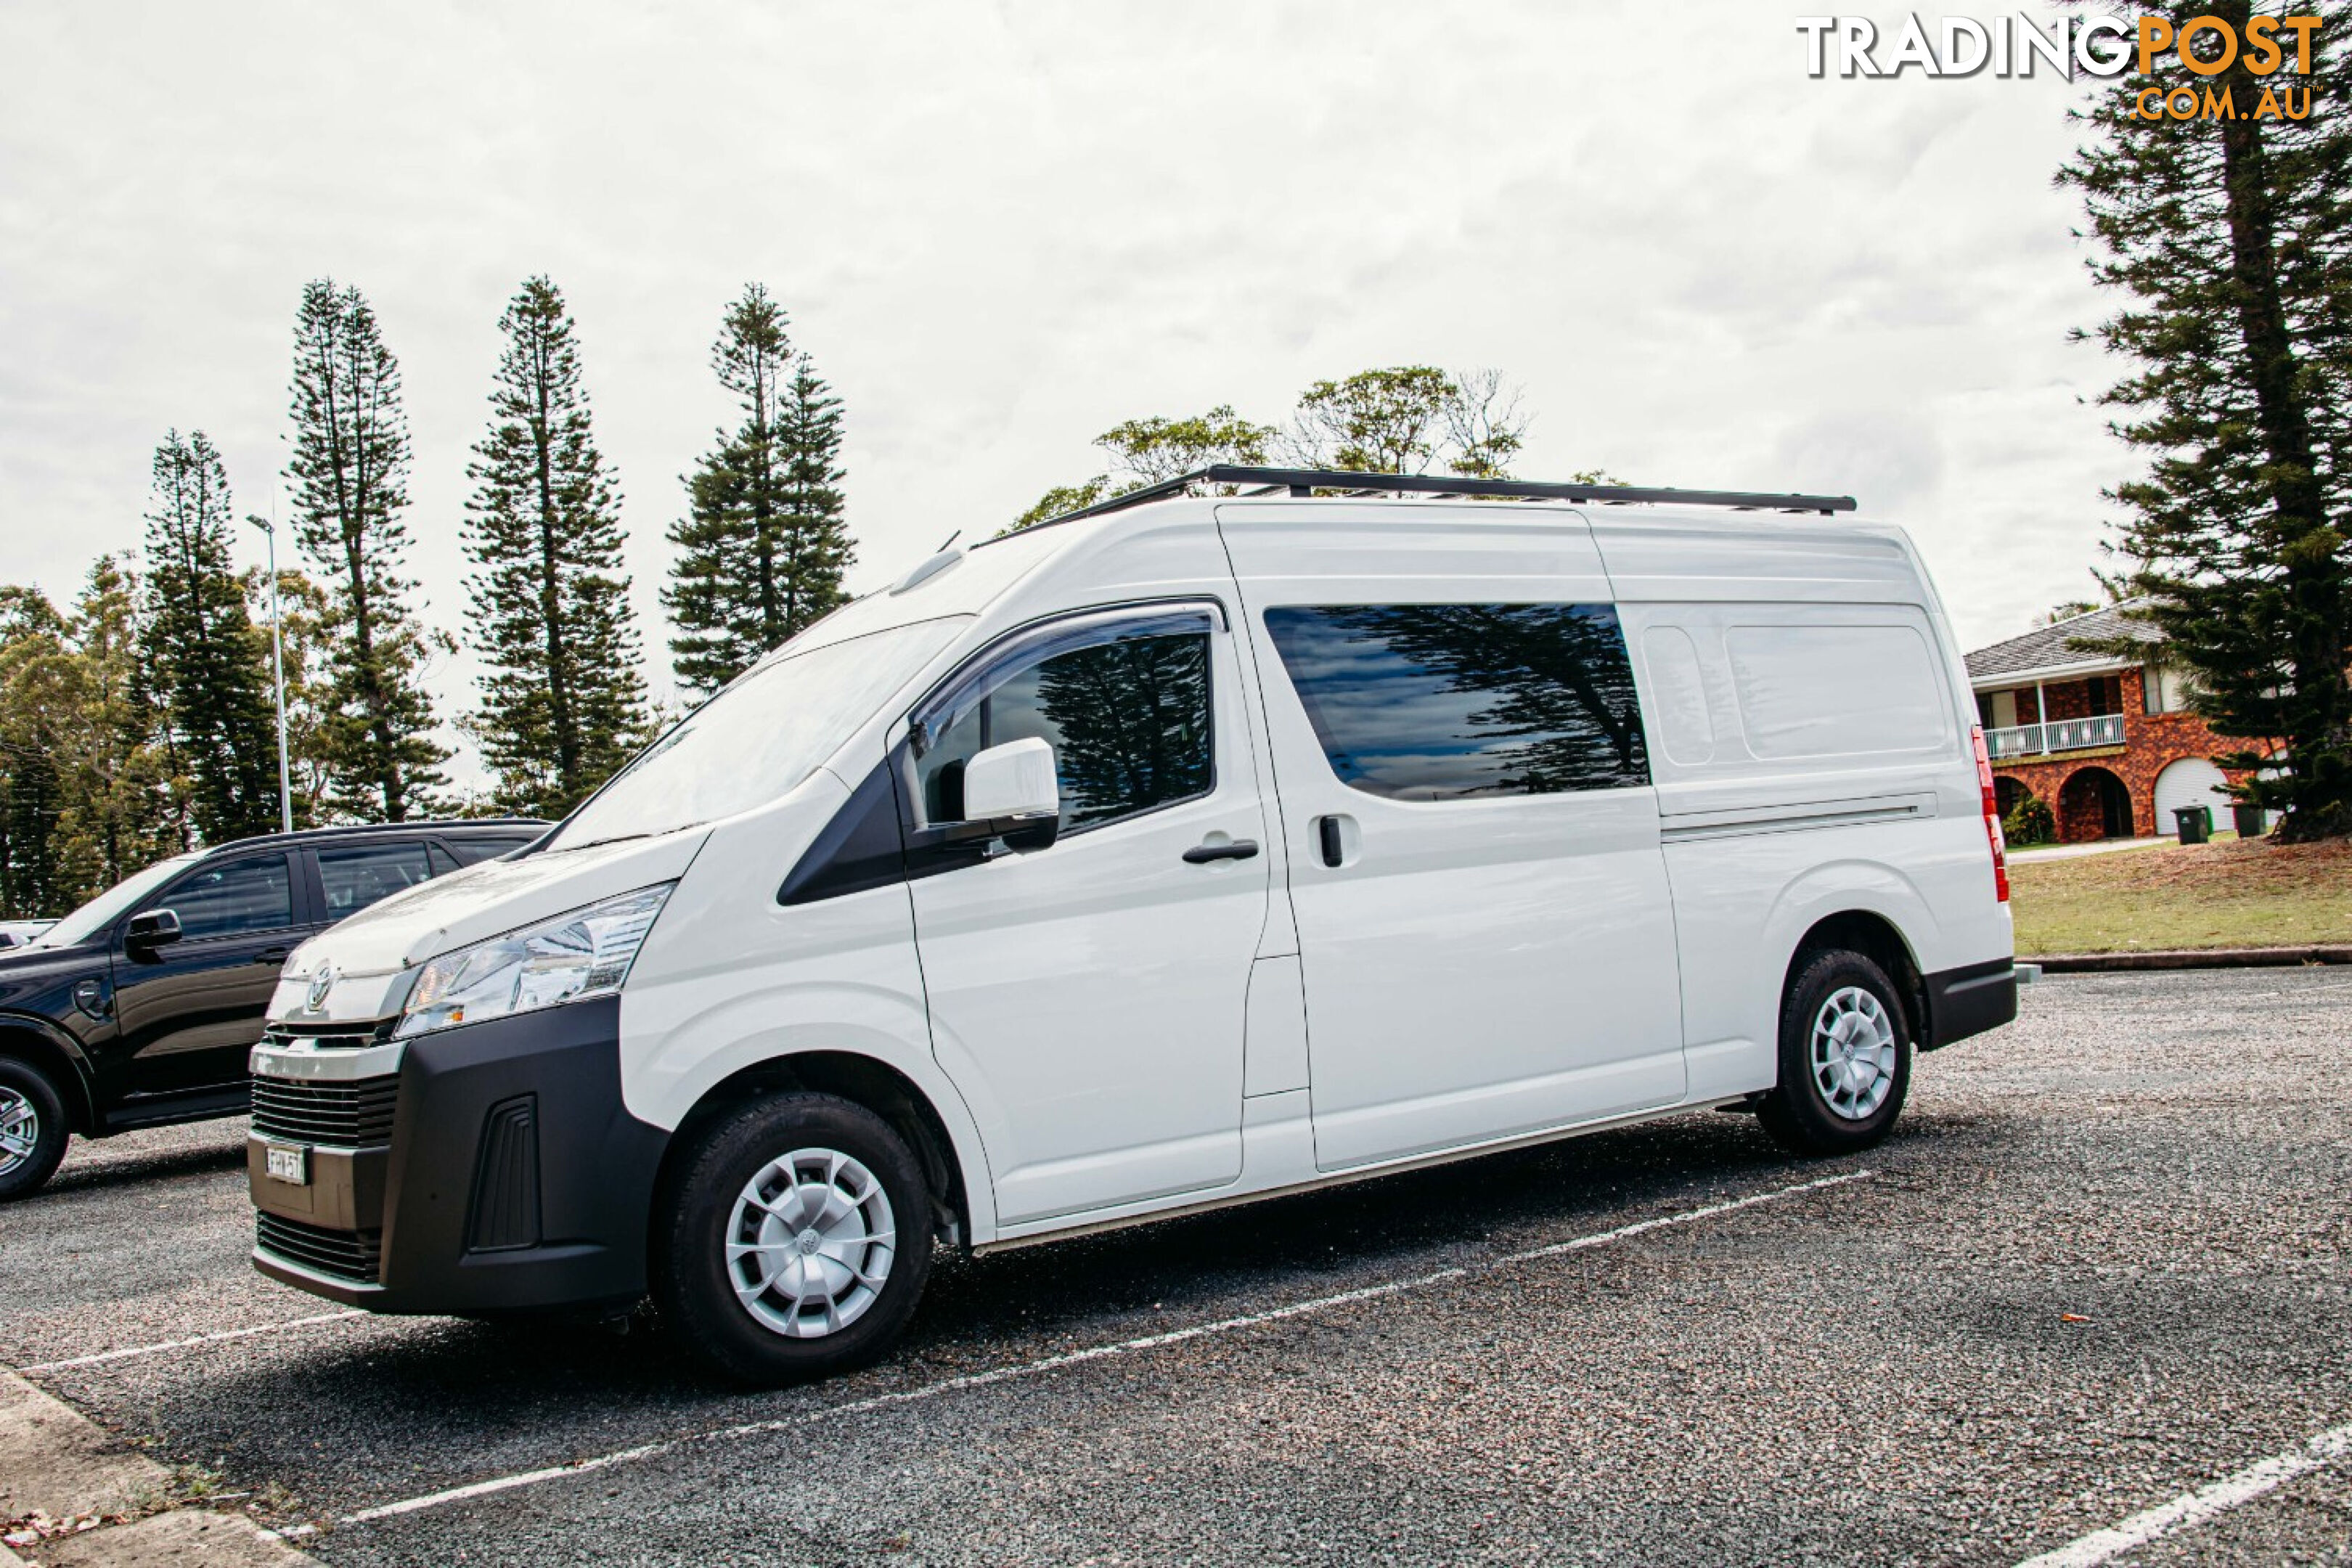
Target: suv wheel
32	1129
794	1240
1845	1057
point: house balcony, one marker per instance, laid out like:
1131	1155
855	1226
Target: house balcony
2023	741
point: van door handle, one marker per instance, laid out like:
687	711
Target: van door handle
272	956
1236	849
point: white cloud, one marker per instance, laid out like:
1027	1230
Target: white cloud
1003	229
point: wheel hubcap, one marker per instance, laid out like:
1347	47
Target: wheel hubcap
810	1244
1852	1053
20	1130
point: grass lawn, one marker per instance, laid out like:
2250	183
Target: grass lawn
2250	893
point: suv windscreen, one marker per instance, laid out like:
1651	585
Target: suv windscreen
113	904
762	736
1462	702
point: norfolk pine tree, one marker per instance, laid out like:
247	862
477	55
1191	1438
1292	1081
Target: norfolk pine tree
2231	242
348	472
763	546
202	661
562	703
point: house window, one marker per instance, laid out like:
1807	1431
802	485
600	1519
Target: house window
2166	688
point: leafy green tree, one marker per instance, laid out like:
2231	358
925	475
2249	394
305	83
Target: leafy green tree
562	703
2230	241
35	663
117	816
201	658
763	546
1401	419
1059	500
350	470
1153	449
1375	421
1398	420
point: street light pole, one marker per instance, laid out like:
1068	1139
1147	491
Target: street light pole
278	668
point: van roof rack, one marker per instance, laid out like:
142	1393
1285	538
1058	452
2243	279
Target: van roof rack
1306	481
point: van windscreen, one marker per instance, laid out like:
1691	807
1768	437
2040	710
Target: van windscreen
759	737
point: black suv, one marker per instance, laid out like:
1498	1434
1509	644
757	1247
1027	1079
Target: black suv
138	1008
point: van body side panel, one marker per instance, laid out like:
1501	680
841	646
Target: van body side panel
1812	761
1478	967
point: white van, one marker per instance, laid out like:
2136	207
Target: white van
1194	848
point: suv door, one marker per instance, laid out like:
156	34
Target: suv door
1088	997
1485	934
189	1012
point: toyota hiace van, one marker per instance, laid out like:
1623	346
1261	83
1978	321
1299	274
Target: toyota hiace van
1258	831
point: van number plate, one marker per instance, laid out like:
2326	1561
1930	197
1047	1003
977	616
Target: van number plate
288	1163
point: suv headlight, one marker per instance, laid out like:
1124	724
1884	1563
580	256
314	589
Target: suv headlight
584	953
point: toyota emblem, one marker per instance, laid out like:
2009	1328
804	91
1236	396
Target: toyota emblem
320	984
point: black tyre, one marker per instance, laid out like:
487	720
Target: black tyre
32	1128
1845	1057
794	1239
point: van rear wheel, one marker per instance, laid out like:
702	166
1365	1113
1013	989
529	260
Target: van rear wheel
32	1128
795	1239
1845	1057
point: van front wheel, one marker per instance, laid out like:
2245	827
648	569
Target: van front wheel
1845	1057
794	1240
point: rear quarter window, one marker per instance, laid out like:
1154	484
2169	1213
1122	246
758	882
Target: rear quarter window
1836	690
469	850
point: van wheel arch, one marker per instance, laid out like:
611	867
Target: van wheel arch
876	1084
52	1061
1877	938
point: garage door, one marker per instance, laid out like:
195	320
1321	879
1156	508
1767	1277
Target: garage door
2192	781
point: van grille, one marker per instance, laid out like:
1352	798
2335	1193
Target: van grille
353	1114
350	1254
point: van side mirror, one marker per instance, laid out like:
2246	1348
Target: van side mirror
152	929
1012	791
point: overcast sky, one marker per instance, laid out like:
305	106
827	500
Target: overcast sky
1002	229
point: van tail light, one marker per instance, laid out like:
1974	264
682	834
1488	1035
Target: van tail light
1991	814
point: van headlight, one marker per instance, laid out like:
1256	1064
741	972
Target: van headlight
584	953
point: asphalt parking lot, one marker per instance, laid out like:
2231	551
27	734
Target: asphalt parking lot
2101	1266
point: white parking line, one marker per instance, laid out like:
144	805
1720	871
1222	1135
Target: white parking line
2195	1508
189	1343
1096	1353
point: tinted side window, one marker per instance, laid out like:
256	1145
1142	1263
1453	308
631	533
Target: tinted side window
1128	721
232	898
1458	701
355	876
473	847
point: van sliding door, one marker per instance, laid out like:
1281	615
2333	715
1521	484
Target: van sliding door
1484	930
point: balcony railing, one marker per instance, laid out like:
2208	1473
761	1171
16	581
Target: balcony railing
2058	735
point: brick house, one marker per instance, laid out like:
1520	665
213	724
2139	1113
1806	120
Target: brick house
2105	741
